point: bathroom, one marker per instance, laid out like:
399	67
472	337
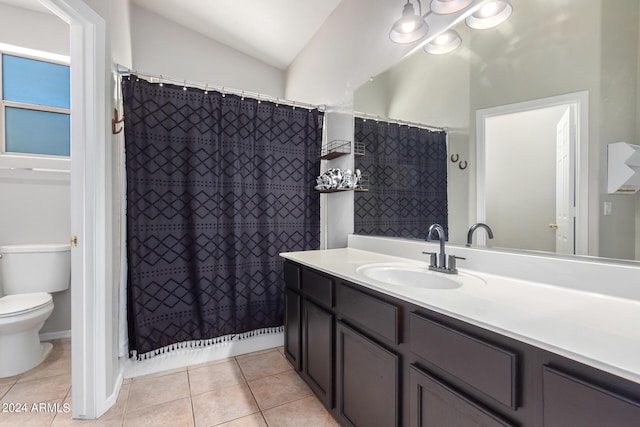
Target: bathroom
141	38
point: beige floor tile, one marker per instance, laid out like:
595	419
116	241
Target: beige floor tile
57	363
307	412
254	420
30	418
36	391
107	420
255	353
211	362
63	418
121	403
278	389
177	413
156	390
213	377
4	389
260	365
281	350
158	374
10	380
223	405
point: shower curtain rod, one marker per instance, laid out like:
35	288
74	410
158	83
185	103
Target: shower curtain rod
159	78
367	116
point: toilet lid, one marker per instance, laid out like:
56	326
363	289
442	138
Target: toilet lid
11	305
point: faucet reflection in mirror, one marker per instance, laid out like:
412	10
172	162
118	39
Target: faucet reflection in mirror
474	227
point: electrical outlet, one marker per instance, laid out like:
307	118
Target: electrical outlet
607	208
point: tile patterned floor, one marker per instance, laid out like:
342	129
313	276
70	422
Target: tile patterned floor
253	390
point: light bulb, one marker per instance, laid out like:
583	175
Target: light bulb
489	9
407	27
442	39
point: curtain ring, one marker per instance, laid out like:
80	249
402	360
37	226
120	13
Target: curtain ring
206	89
457	157
223	94
161	84
460	165
185	86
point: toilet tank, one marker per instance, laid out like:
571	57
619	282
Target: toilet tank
35	268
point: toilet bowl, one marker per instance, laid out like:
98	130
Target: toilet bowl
21	318
29	273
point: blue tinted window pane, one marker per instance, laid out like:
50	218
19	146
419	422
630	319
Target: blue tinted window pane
35	82
37	132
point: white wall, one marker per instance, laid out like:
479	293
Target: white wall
35	205
163	47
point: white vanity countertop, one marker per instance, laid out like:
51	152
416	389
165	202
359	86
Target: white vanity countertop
597	330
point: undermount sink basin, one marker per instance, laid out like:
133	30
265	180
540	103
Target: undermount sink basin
414	276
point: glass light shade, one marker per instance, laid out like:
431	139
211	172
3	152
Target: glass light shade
445	42
410	27
493	13
443	7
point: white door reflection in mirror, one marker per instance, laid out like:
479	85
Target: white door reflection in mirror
565	182
528	171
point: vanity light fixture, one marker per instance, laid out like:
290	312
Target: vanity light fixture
410	27
445	42
443	7
490	14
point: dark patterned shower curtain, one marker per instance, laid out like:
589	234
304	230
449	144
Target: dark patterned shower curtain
407	170
217	186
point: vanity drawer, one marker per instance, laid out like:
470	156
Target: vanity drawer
291	276
317	287
373	313
569	401
489	369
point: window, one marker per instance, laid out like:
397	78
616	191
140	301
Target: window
35	116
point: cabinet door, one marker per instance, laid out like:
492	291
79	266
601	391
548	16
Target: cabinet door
434	404
368	377
292	328
317	350
570	401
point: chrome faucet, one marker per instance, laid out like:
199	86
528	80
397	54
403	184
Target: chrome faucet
441	263
474	227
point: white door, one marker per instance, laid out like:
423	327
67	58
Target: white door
565	184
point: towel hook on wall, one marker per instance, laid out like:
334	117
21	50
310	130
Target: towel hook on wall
115	120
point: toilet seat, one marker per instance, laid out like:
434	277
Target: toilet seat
12	305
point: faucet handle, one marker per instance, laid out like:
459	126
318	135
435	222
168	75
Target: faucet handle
452	262
433	259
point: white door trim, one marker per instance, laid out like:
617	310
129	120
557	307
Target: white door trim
581	102
88	205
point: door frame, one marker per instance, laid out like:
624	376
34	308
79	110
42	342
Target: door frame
580	100
88	206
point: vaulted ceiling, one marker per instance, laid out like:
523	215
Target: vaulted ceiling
273	31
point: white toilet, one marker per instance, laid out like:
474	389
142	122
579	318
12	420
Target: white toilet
29	274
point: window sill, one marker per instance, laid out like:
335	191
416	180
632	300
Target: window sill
34	164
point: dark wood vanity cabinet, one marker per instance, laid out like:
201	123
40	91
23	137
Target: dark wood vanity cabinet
309	329
375	360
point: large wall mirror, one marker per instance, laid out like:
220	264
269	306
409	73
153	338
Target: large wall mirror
556	72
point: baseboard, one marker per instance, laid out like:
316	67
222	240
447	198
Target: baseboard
48	336
185	357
